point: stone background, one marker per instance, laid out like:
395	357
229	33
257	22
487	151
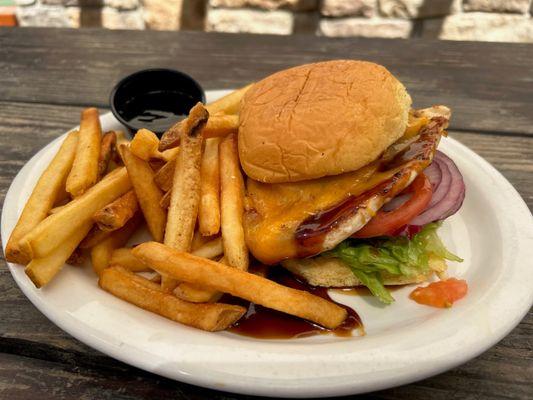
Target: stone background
489	20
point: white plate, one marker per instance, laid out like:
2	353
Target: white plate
405	342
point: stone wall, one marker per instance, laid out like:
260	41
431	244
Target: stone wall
491	20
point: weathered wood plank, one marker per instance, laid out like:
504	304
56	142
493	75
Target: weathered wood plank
494	375
512	156
29	378
22	321
489	85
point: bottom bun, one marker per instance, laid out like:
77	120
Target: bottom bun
332	272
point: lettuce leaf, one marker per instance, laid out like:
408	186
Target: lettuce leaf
372	281
432	243
369	258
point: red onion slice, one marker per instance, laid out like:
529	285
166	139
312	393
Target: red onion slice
453	197
434	175
456	174
458	204
443	187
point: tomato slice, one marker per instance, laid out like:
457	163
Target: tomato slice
386	222
440	294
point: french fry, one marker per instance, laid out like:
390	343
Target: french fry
164	177
221	125
198	240
95	236
156	164
171	138
232	204
211	274
147	192
206	249
55	210
56	228
113	164
217	126
169	154
84	172
144	144
230	103
49	186
101	253
185	194
124	257
63	197
211	249
117	213
107	152
194	293
121	140
164	203
149	296
209	210
42	270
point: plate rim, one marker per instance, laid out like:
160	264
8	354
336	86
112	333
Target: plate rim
132	358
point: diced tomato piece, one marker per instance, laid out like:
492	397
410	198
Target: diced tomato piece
440	294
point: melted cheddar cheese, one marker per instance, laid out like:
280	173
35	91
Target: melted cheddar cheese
275	211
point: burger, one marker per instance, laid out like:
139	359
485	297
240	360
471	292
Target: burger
345	186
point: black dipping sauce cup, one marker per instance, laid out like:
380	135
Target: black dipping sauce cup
154	99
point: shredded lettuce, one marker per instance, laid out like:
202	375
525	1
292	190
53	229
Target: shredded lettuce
369	258
372	281
432	243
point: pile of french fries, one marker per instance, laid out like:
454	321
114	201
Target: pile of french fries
187	189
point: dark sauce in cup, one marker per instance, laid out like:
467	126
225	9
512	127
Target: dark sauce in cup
154	99
158	110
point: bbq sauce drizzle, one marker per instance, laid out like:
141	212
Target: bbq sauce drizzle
264	323
311	233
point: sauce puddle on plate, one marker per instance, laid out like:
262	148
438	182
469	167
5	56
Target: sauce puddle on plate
263	323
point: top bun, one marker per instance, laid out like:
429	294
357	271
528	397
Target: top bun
320	119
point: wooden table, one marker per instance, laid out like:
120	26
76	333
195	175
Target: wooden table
48	75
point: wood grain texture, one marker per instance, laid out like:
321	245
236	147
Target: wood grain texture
488	85
500	373
49	75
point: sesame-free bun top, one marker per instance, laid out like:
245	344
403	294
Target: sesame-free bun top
320	119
